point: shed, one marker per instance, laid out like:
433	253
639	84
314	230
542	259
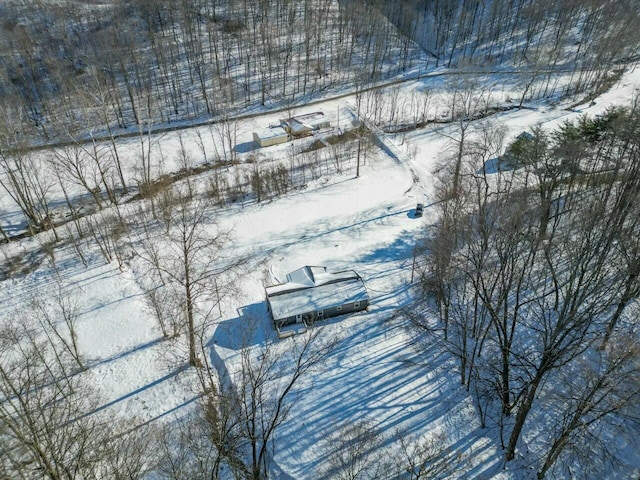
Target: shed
312	293
270	136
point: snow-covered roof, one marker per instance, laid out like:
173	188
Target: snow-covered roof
271	132
310	289
305	275
314	276
309	121
297	127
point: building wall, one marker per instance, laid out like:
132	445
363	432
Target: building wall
277	140
267	142
325	124
328	313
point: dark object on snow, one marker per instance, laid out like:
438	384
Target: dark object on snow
419	209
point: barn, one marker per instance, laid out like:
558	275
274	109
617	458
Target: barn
270	136
313	293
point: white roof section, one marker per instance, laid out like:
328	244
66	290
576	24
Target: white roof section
308	121
311	119
306	275
297	127
272	132
310	289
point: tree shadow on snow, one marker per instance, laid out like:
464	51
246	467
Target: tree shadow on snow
400	249
137	391
246	147
383	382
250	328
495	165
125	353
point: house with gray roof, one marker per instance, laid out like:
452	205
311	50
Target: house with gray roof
313	293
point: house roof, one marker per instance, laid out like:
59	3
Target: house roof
298	127
310	289
309	121
271	132
312	119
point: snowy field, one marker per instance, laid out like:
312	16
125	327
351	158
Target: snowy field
379	373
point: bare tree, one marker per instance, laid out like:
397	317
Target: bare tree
264	386
59	319
426	458
41	427
98	99
459	251
206	444
123	453
107	230
231	432
165	307
603	389
468	100
28	185
78	169
5	237
190	258
197	446
227	131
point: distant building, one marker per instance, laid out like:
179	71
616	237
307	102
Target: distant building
270	136
301	125
298	126
313	293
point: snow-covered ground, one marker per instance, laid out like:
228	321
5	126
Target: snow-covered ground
377	373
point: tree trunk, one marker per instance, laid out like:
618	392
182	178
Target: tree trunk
504	391
193	358
523	412
628	294
555	451
4	235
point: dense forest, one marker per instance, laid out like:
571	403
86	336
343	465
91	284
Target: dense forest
530	273
72	67
82	68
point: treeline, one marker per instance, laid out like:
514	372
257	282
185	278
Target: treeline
79	68
586	38
74	68
83	178
533	269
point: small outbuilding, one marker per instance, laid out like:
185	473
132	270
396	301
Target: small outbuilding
313	293
270	136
